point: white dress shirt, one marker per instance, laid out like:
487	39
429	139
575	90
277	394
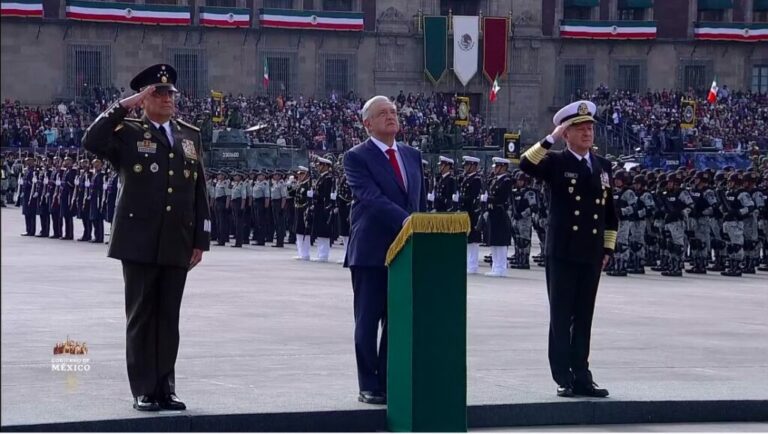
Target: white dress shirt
579	157
384	149
167	127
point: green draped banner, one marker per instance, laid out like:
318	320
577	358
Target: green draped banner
435	47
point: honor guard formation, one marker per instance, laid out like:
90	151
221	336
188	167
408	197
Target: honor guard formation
713	220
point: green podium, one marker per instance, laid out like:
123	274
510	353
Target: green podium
427	321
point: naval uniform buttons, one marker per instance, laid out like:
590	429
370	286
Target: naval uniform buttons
597	201
170	190
130	214
578	198
594	231
170	172
577	212
168	208
595	216
575	228
170	155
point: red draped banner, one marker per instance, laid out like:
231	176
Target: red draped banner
495	37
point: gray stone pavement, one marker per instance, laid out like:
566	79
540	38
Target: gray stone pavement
262	333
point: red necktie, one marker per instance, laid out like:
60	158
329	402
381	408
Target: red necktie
395	166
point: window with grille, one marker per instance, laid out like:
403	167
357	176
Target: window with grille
695	77
574	82
460	7
279	75
713	15
760	17
631	14
577	13
760	78
628	78
221	3
278	4
88	68
192	72
337	5
337	80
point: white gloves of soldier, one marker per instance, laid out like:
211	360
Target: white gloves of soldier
431	197
45	181
58	183
21	181
484	197
87	183
34	180
310	193
106	186
333	196
455	197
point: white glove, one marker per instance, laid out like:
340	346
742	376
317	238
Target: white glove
58	183
87	184
333	196
310	193
455	197
21	181
484	197
431	197
34	180
105	186
45	181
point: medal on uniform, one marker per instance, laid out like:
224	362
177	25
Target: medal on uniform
154	167
186	173
146	146
189	149
570	190
604	180
137	168
194	176
573	181
147	135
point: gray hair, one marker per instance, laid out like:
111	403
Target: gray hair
366	112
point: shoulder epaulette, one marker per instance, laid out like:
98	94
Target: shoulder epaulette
187	125
132	120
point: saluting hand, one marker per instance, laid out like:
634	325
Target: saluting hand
557	134
135	100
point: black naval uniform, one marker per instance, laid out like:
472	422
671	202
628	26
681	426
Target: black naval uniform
582	229
498	203
444	191
469	202
322	206
161	215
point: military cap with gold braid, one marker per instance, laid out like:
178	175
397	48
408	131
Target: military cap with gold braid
160	75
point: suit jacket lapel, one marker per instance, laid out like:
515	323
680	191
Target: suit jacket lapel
385	165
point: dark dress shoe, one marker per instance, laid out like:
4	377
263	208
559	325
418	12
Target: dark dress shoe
278	245
591	390
171	402
372	398
565	391
145	403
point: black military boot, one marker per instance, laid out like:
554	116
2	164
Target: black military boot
697	267
732	269
749	266
674	268
663	264
718	265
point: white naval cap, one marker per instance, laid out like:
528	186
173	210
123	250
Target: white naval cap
499	160
576	113
445	160
324	160
468	159
425	162
302	169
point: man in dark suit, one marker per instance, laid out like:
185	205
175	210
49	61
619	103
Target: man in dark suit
580	240
386	180
161	225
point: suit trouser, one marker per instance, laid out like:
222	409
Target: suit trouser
369	285
152	303
572	288
279	221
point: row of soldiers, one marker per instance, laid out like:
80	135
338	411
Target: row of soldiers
260	207
53	191
716	220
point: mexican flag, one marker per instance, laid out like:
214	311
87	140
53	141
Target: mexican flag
712	97
313	20
224	17
128	13
265	80
494	89
22	8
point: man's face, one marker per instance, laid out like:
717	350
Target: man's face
444	168
382	120
160	103
499	169
580	136
469	168
97	165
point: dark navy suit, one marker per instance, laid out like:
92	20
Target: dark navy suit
380	206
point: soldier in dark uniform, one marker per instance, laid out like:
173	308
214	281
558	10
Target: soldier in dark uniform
95	202
67	199
161	228
469	202
445	188
45	189
500	226
57	176
260	194
221	205
427	184
28	206
277	202
321	209
343	204
290	209
301	202
110	198
237	200
580	239
83	195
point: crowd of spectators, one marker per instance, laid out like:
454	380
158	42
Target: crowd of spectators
735	122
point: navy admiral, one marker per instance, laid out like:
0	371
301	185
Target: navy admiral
161	225
580	240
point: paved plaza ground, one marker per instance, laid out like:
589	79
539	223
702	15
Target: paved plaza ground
262	333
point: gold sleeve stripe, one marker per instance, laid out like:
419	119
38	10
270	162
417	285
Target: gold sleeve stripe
535	154
609	240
